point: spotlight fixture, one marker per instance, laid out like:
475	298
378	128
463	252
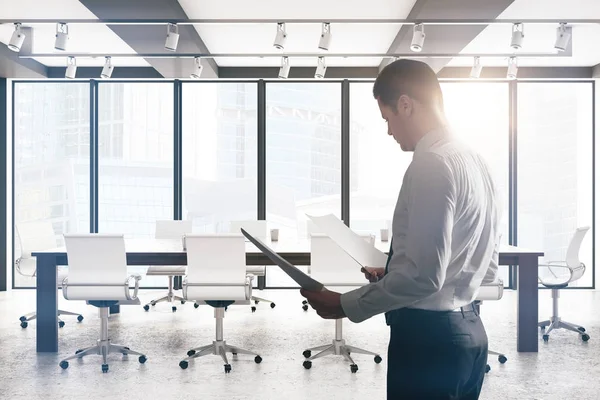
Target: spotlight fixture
476	70
563	37
325	39
71	68
284	71
108	68
62	36
321	68
418	38
17	39
197	72
172	37
516	41
280	37
511	72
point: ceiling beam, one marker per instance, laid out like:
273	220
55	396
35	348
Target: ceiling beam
449	39
596	71
151	38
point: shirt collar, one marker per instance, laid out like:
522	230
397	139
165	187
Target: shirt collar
430	138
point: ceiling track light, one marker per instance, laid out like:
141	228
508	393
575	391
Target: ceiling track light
62	36
563	37
172	37
511	72
418	38
518	33
197	72
108	68
71	68
476	70
17	39
280	37
321	68
325	39
284	71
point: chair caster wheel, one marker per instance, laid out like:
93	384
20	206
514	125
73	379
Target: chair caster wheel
272	305
79	318
61	324
305	307
227	368
104	368
146	307
142	359
546	337
196	305
191	353
585	337
78	351
125	348
64	364
502	359
258	359
487	369
22	319
304	302
255	301
307	364
174	308
353	368
377	359
542	328
152	304
226	308
183	364
306	353
253	308
182	301
581	329
24	324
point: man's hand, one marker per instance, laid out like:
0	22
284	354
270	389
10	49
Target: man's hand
373	274
327	303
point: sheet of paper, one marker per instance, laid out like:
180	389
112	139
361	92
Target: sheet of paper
362	252
305	281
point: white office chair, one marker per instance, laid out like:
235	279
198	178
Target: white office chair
332	266
37	236
98	274
557	275
216	275
175	230
258	229
492	291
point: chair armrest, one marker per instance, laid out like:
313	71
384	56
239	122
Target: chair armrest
137	278
554	264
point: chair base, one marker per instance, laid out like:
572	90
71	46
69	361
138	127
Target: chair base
33	315
259	300
556	323
501	359
103	346
169	298
338	347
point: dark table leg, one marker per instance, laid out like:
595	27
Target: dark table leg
527	312
47	305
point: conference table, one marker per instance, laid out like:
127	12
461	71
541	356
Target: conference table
145	252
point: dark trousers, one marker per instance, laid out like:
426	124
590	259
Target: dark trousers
436	355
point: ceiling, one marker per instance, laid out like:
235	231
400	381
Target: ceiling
346	38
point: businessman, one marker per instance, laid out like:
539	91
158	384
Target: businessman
445	239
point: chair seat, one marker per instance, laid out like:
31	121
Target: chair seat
166	270
551	285
219	303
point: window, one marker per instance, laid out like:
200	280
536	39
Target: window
219	154
555	168
51	160
303	140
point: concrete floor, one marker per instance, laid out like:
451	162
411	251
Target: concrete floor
565	368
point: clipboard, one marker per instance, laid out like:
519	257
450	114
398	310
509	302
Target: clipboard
305	281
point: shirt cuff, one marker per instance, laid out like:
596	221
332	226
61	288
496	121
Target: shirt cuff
351	305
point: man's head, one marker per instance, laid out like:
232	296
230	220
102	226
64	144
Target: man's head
410	100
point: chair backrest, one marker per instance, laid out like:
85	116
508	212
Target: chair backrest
35	236
331	265
170	229
256	228
94	259
491	291
572	257
216	267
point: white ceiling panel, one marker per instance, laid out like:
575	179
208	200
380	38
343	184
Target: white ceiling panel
302	38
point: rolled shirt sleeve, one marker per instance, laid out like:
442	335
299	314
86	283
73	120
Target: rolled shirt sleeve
420	270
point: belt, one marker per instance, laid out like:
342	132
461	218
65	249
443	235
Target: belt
468	308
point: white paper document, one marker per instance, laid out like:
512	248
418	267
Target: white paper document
305	281
360	250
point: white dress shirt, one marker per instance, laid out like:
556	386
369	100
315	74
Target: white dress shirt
445	233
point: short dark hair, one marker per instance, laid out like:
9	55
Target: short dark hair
412	78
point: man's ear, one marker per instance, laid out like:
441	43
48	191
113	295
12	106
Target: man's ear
404	105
